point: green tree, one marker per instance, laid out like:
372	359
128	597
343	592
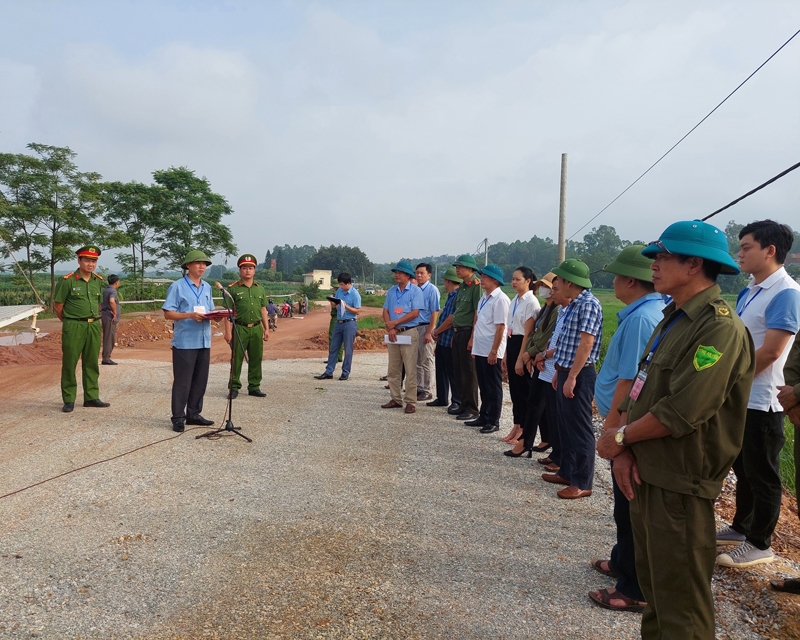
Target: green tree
733	284
599	248
190	216
341	258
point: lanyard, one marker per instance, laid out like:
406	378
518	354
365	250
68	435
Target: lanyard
747	304
197	294
548	308
483	304
658	339
514	310
644	302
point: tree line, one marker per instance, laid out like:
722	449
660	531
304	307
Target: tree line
48	207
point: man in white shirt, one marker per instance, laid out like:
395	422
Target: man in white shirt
488	346
770	308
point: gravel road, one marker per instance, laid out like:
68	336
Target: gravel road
340	520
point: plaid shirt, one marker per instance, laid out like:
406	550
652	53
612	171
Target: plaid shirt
583	315
445	339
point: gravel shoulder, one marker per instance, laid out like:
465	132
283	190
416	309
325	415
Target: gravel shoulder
340	520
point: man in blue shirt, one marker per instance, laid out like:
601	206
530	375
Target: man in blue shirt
344	331
427	322
633	285
401	310
188	301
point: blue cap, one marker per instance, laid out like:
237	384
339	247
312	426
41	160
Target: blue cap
404	267
493	271
697	239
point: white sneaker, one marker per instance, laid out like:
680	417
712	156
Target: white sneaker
745	555
727	536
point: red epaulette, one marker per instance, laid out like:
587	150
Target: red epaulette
233	284
99	277
69	275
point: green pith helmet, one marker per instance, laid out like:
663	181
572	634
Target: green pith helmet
493	271
195	255
696	239
631	264
574	271
404	267
466	260
452	276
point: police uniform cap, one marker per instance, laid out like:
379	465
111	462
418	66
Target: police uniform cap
195	255
696	239
89	251
630	263
247	259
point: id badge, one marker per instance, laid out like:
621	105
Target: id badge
636	389
398	311
200	309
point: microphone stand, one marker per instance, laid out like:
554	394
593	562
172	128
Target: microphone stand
236	342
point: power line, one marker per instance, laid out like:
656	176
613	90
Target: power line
751	192
685	136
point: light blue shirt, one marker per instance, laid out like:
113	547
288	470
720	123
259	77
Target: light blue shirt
430	297
635	325
352	299
183	296
398	303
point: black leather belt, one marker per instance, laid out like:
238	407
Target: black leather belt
348	320
249	325
560	368
423	324
400	330
462	329
83	319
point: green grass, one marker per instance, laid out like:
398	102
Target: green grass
372	301
787	459
371	322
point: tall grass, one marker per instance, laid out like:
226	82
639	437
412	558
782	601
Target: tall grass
787	458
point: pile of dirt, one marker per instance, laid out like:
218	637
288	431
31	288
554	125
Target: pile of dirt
148	328
43	350
366	340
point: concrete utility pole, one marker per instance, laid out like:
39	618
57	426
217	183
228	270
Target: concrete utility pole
562	212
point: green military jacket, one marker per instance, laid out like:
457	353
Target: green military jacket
540	337
248	301
81	299
698	385
469	295
791	370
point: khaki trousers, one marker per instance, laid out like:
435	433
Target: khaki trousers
425	367
399	356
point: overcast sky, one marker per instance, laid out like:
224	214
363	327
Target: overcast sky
417	128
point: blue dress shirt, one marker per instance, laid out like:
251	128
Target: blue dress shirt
398	303
183	296
430	297
352	298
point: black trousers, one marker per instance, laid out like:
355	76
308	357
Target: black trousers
464	367
490	383
550	416
758	477
536	413
576	430
517	385
189	380
445	375
623	558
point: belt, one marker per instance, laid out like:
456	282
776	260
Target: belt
423	324
348	320
560	368
83	319
456	329
401	329
249	325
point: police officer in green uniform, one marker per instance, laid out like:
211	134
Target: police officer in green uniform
682	428
252	327
77	305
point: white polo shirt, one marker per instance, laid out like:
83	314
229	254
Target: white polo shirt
492	311
520	311
773	304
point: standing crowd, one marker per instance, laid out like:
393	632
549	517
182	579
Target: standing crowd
689	388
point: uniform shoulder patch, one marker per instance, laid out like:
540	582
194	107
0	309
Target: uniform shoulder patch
98	276
721	308
69	275
705	357
233	284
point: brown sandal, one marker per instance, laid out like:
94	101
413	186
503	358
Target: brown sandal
789	585
603	598
597	565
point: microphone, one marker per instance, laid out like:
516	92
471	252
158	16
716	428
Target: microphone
225	292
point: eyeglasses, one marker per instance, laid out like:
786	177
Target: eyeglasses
660	245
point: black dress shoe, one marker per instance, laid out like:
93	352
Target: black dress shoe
323	376
435	403
178	426
68	407
477	422
344	377
234	393
108	362
200	420
454	409
466	415
258	393
97	402
490	428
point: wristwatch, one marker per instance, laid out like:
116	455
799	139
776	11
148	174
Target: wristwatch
619	436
